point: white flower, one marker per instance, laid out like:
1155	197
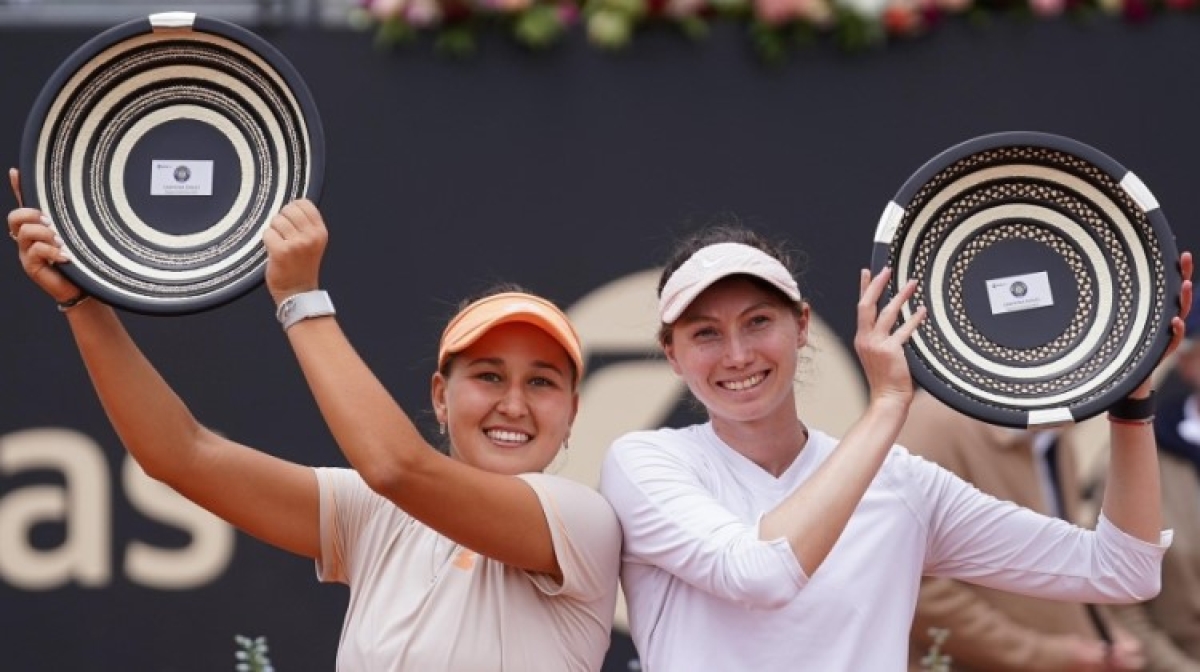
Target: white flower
868	9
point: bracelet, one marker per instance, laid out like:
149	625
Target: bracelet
64	306
304	306
1121	421
1133	410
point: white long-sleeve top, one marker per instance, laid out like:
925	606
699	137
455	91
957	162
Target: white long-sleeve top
705	593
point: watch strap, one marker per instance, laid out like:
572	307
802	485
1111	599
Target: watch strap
1134	410
304	306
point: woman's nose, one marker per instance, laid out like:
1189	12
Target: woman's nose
738	351
512	402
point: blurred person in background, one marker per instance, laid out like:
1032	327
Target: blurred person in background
987	629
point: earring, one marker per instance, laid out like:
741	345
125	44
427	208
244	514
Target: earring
567	443
442	428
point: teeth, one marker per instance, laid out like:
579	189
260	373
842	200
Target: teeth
505	436
739	385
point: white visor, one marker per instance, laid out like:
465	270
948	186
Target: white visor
714	262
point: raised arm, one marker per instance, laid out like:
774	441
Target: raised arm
266	497
814	516
1132	496
496	515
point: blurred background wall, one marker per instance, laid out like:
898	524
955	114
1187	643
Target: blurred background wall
570	170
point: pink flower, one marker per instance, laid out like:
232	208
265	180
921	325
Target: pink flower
508	5
568	13
386	9
777	12
901	20
773	12
684	7
422	13
1047	8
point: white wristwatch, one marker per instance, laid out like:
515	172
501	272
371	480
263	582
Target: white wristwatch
303	306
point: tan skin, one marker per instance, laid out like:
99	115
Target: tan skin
528	386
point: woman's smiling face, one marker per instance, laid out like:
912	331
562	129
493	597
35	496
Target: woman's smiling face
737	347
509	400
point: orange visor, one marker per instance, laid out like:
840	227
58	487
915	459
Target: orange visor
478	318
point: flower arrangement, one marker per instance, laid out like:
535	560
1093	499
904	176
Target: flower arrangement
775	26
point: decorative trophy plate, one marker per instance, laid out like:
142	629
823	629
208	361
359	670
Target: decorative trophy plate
1049	273
161	149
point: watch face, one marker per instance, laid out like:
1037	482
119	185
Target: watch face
161	149
1048	271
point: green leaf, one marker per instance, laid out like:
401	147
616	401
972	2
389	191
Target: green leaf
539	26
